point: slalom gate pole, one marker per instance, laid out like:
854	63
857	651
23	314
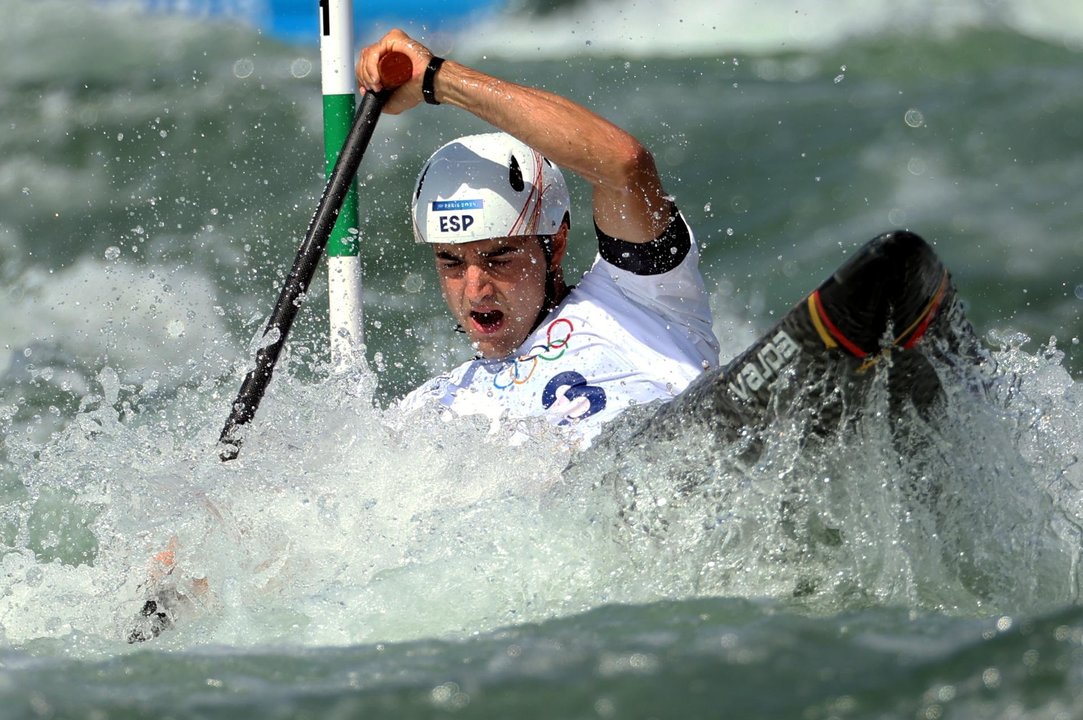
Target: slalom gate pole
395	69
343	248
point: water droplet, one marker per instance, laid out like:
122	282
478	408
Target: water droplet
243	68
914	118
301	67
270	337
110	383
34	576
112	252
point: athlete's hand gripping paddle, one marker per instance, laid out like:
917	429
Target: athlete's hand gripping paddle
395	69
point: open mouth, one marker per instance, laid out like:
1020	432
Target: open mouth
487	322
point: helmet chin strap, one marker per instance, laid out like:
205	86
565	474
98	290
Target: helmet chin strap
553	296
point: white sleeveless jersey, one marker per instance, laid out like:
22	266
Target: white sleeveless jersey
618	339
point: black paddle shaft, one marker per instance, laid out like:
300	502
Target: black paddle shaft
304	268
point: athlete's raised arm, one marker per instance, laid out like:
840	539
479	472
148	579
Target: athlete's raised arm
628	198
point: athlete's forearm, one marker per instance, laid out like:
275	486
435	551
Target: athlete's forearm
628	199
567	133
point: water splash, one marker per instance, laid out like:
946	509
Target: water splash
344	523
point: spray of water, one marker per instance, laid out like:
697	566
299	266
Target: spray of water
344	523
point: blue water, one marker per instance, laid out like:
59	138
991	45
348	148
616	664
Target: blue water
157	171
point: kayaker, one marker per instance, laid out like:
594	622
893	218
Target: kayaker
495	209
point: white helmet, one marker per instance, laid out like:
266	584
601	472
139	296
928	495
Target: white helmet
487	186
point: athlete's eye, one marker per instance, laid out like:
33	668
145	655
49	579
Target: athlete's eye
502	258
448	262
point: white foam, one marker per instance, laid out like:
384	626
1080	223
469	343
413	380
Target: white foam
138	319
341	523
338	523
691	27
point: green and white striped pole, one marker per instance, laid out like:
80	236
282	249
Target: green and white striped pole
343	247
395	69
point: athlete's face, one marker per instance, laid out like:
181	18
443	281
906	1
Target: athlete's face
495	289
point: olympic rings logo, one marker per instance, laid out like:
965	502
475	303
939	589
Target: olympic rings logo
520	371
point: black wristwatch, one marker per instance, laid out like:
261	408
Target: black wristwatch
427	90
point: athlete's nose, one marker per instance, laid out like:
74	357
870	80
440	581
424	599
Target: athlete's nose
479	285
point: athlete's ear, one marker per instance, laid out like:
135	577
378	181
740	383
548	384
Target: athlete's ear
559	246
